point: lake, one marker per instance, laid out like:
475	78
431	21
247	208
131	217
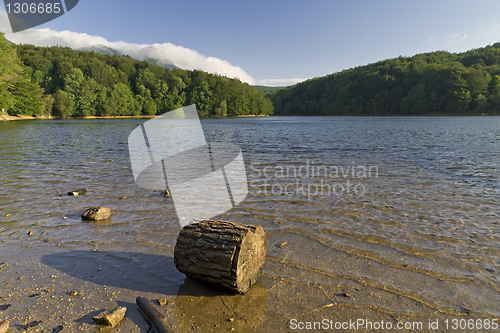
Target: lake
398	216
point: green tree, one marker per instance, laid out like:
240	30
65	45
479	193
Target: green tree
149	107
89	84
27	98
123	101
63	104
18	95
201	96
416	102
83	91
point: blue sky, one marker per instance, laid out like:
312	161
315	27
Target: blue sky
290	40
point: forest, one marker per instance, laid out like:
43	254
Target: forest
436	83
62	82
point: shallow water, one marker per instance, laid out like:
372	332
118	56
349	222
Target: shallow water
402	211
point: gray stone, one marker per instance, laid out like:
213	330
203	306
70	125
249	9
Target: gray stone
110	317
80	191
4	326
97	213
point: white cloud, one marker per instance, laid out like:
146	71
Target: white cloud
279	82
166	52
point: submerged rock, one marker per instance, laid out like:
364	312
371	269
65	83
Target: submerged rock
96	213
110	317
78	192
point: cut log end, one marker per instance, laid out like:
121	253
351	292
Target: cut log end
225	253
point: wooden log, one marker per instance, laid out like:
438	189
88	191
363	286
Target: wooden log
225	253
156	319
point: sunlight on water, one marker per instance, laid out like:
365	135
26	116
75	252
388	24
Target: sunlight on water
404	209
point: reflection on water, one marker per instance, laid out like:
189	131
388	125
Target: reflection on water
422	234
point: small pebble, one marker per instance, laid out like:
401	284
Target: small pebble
30	233
123	198
347	294
283	244
73	293
58	329
162	301
33	324
77	192
8	215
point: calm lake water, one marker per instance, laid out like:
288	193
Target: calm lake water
404	210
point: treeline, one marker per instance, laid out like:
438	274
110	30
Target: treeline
432	83
86	83
17	91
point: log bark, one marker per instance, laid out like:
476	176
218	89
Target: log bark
225	253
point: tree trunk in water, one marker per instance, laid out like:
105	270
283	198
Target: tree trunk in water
224	253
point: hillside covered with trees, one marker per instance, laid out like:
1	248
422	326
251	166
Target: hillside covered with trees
62	82
17	91
426	84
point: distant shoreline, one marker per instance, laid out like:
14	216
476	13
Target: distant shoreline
9	117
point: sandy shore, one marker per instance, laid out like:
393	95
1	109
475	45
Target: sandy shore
49	287
5	117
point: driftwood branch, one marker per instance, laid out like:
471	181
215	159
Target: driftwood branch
158	320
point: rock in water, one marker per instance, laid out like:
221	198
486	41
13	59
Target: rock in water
225	253
80	191
110	317
97	213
